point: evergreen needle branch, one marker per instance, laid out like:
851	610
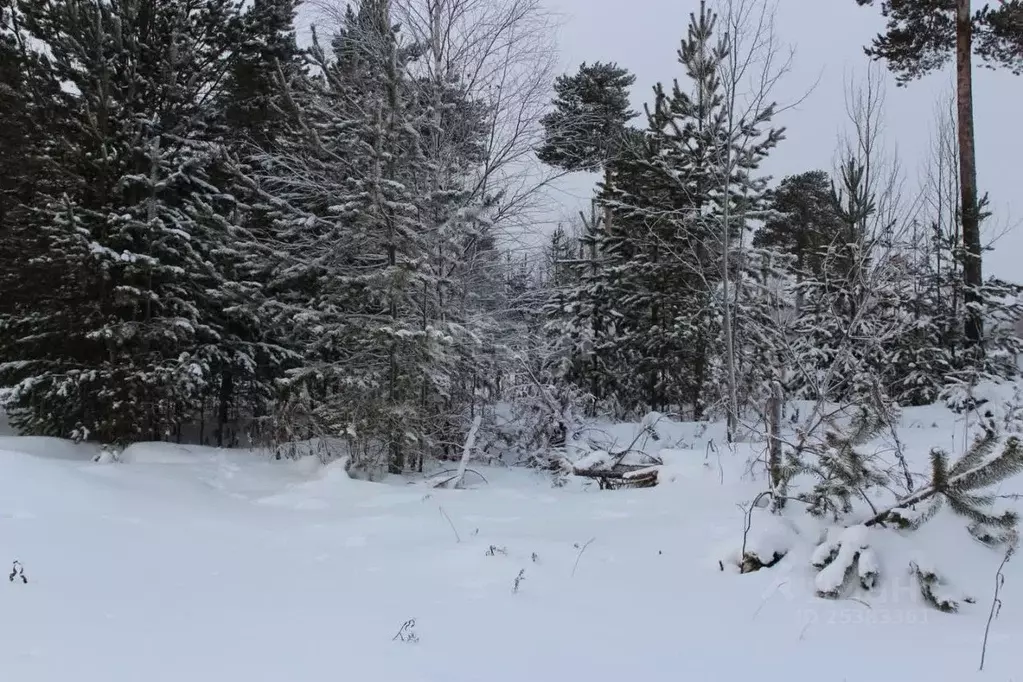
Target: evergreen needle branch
968	474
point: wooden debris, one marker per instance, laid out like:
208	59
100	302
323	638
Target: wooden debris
621	476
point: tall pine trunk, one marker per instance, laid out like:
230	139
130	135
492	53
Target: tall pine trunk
224	406
972	271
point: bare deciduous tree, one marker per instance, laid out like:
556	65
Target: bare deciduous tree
755	63
502	52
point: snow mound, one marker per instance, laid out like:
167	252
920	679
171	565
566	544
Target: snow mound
594	460
768	541
164	453
49	448
838	559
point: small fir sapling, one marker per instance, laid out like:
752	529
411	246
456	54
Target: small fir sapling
842	473
961	485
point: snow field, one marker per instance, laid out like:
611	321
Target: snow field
185	563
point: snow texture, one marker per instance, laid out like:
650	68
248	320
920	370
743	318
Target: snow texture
189	563
869	568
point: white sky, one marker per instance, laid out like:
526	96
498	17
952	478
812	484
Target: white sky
828	36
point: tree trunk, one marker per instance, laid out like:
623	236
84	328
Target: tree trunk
470	443
225	400
607	207
972	272
733	402
774	416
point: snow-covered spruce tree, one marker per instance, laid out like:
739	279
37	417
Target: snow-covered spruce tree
853	310
252	118
247	116
134	236
384	323
802	226
575	306
647	343
922	358
29	99
329	186
560	276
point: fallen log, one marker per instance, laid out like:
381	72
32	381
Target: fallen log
621	476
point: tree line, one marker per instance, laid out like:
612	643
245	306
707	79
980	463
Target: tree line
210	233
205	225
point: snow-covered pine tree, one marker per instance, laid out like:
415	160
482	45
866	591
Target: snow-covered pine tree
695	173
587	127
587	131
129	355
922	358
802	224
841	472
573	283
653	347
853	308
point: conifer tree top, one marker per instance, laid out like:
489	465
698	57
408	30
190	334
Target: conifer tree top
591	110
920	35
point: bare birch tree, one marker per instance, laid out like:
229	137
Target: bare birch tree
755	63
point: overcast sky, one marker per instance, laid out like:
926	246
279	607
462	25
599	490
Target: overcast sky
828	37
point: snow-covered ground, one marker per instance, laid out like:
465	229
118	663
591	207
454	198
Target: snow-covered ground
190	564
